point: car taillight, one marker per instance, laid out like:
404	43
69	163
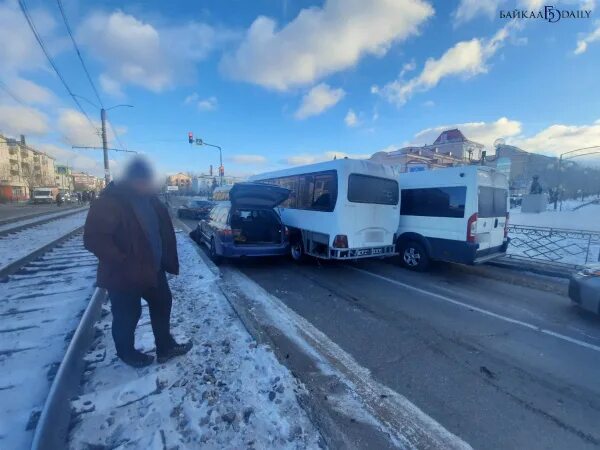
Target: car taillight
506	225
340	241
472	228
226	232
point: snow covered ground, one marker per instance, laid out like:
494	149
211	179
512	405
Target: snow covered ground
584	218
569	247
38	312
46	216
226	393
21	243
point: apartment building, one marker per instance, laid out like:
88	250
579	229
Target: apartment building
23	168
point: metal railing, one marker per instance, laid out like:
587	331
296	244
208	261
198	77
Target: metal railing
571	248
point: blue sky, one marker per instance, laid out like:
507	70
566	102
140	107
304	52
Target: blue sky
290	82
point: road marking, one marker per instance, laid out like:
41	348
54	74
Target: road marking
483	311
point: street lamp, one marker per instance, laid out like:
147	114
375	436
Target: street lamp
103	132
560	160
221	169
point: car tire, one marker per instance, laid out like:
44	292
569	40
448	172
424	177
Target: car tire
414	256
212	251
297	251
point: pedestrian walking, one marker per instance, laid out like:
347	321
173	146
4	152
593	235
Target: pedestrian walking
59	199
131	233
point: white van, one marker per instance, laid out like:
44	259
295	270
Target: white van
340	209
458	214
44	195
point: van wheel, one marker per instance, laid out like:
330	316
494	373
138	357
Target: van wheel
414	256
214	256
297	251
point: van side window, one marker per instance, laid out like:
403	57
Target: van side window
312	191
492	202
369	189
434	202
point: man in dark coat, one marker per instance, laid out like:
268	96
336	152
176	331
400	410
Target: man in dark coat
132	235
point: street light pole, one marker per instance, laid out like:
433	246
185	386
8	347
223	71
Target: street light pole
105	146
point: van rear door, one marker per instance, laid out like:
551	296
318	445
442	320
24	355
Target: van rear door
492	208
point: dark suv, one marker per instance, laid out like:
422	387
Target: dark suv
246	225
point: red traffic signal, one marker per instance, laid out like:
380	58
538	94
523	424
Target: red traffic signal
191	137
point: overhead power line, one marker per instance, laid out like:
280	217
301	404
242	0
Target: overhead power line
51	61
87	73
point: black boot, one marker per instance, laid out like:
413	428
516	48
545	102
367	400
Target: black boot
137	359
173	351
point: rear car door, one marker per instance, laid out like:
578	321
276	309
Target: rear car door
492	212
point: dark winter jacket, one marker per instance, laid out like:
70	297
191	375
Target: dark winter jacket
113	233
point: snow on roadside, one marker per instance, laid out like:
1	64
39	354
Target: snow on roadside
585	218
226	393
36	218
17	245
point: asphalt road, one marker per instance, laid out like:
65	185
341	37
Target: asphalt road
501	366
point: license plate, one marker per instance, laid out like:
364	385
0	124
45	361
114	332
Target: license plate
363	252
377	251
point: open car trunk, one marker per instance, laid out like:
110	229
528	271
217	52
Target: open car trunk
256	226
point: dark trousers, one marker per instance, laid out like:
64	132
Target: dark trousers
126	311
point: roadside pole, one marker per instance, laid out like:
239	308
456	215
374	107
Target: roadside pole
105	146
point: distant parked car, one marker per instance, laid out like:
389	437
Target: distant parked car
584	288
247	225
195	209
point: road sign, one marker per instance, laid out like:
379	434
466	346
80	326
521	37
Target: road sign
199	141
172	188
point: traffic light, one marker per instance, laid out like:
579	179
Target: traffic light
191	137
221	171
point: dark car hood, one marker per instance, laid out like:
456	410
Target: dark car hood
261	195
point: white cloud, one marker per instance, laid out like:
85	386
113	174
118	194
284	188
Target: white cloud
208	104
137	53
469	9
408	67
318	99
483	132
592	36
351	119
19	50
15	120
560	138
31	92
465	59
110	86
322	40
248	159
311	158
78	131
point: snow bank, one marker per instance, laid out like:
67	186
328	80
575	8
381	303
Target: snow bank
226	393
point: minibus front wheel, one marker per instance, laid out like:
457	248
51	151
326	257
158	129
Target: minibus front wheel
414	256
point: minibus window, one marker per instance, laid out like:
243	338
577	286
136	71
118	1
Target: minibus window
434	202
492	202
368	189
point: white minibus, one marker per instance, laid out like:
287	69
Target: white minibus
340	209
457	214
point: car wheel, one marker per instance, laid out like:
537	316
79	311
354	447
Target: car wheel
214	256
414	256
297	250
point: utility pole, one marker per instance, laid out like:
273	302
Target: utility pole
105	146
